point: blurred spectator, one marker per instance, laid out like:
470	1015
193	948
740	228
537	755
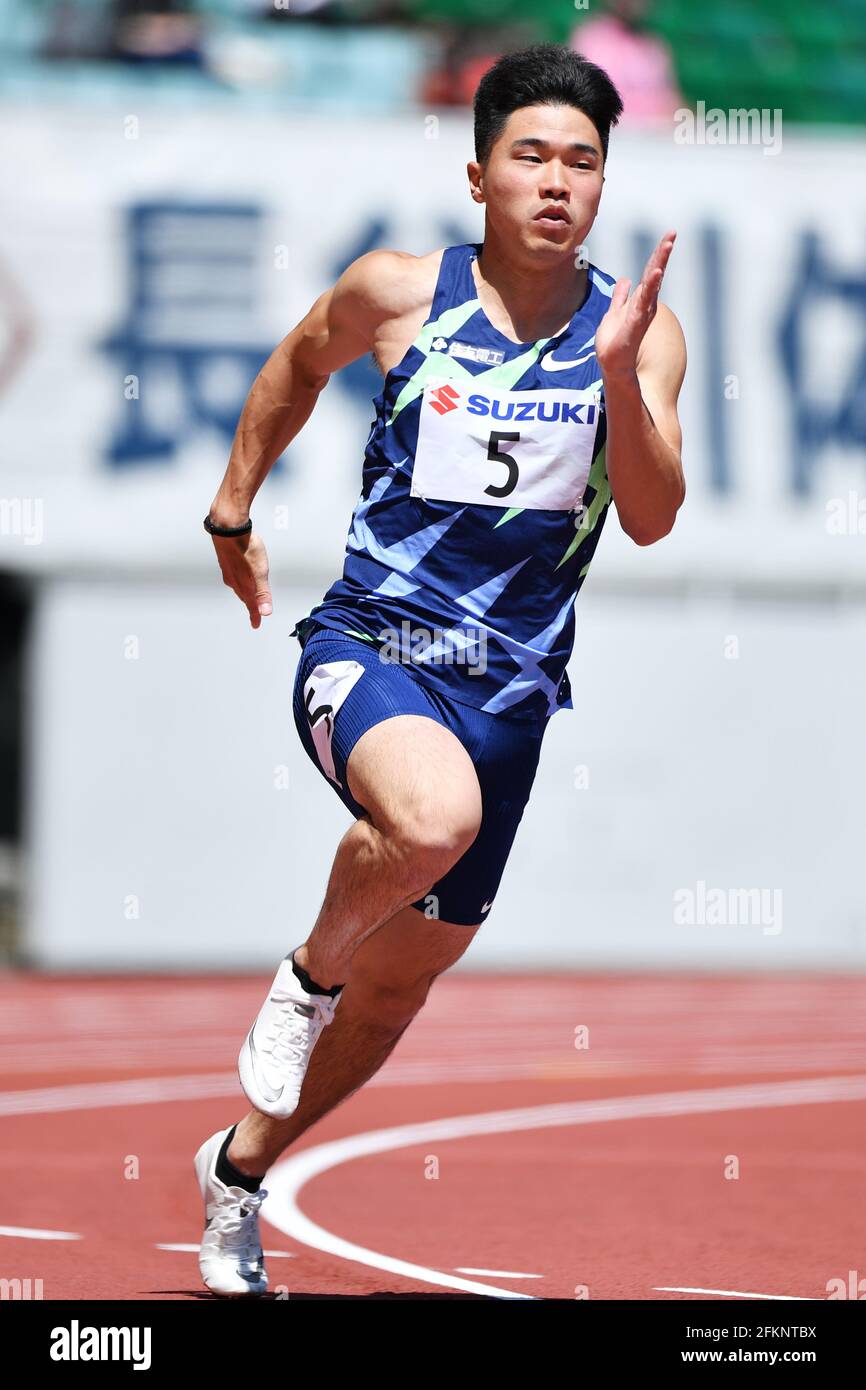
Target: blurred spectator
75	30
637	62
158	31
466	56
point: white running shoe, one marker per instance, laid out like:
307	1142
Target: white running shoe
276	1052
230	1258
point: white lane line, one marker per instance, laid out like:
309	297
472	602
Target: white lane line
154	1090
194	1249
495	1273
287	1178
29	1233
733	1293
146	1090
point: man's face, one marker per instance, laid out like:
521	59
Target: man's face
547	157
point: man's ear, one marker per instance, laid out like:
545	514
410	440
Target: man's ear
474	173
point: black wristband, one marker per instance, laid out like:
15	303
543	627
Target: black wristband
215	530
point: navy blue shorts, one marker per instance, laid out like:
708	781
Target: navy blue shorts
343	687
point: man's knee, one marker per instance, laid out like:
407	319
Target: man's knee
417	783
432	840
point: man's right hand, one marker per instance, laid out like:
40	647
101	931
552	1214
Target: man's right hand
244	564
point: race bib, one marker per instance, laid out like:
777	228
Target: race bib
505	449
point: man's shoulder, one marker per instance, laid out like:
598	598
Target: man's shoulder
394	282
663	346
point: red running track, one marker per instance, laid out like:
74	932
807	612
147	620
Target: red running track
602	1172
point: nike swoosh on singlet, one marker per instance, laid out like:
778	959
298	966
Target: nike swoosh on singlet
548	363
263	1086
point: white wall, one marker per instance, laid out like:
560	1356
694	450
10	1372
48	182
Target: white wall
155	777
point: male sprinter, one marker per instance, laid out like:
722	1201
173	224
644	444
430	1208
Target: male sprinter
523	389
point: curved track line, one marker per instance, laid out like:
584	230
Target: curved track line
286	1179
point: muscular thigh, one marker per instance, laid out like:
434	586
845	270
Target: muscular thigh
384	744
410	773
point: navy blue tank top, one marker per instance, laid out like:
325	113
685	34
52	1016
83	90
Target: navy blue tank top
484	493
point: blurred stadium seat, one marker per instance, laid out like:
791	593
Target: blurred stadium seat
808	59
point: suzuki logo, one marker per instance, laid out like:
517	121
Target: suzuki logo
444	399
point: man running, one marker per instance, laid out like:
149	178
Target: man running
524	389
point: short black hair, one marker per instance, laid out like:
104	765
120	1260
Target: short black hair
548	74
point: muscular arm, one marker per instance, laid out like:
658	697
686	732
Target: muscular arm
644	438
642	354
346	321
339	328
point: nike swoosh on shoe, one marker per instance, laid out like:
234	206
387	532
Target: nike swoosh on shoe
266	1090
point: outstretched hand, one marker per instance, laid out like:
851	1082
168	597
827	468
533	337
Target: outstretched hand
621	331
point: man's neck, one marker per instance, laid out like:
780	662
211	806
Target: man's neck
530	302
